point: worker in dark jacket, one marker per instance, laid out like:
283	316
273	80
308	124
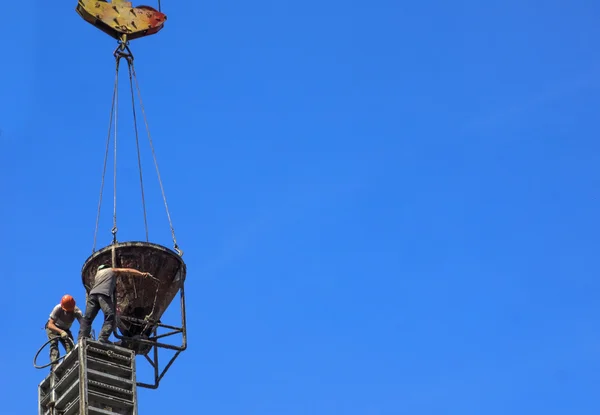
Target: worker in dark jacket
58	326
100	297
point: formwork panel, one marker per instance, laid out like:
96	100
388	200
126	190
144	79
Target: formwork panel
94	378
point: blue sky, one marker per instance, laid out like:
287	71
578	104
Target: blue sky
385	207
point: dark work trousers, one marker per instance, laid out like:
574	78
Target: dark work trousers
55	337
95	303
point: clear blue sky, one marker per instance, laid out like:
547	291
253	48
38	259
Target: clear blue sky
386	208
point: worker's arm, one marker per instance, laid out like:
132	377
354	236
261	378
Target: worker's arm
131	271
78	315
53	327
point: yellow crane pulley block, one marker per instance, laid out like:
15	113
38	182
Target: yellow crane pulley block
119	19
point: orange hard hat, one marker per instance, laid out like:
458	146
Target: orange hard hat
67	303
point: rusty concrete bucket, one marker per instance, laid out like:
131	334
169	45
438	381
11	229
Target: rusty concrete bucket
140	302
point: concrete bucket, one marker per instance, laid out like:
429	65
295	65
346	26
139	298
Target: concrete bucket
140	302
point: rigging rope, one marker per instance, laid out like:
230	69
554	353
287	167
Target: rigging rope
112	111
176	247
114	228
137	141
147	318
123	51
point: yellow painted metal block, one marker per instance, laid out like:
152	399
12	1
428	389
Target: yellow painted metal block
119	18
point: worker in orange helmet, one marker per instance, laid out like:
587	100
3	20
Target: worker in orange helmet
58	326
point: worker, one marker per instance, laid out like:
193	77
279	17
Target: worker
100	297
58	326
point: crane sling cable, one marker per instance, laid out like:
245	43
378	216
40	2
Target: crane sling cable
123	51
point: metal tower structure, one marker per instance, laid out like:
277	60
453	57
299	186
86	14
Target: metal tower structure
94	379
97	378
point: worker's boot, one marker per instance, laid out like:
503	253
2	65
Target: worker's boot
106	331
104	340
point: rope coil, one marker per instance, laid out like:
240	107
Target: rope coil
55	360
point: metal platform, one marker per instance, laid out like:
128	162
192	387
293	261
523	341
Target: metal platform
94	379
